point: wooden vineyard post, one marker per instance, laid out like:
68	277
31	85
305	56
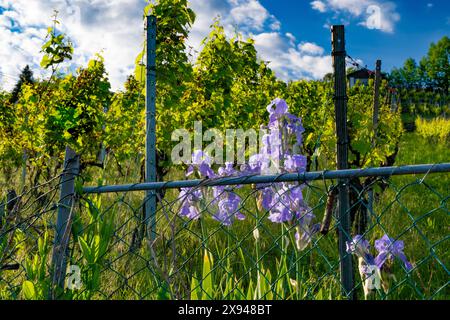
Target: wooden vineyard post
376	99
340	106
150	141
64	219
376	108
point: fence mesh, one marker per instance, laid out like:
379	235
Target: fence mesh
245	255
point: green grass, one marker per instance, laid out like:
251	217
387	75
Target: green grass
416	209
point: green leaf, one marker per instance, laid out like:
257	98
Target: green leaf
196	292
86	250
45	62
28	290
163	292
361	146
207	281
268	286
319	295
250	293
140	73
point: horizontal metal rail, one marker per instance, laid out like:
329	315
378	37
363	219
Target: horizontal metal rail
286	177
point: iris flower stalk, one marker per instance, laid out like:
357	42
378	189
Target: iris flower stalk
279	153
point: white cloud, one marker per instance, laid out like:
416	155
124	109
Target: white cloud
250	13
289	62
291	38
275	26
373	14
115	29
206	12
309	47
319	6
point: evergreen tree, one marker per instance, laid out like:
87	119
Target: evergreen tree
26	77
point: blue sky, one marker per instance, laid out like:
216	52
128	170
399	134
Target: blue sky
421	22
293	35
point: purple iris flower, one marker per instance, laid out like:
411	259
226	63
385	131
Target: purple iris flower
254	162
199	157
253	166
190	171
270	153
295	126
277	155
227	170
202	162
276	109
280	207
267	197
388	249
280	213
206	171
284	202
360	247
295	163
218	193
190	197
292	196
190	211
228	209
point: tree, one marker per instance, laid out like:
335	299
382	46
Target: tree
410	74
395	78
329	77
423	74
26	77
437	64
433	71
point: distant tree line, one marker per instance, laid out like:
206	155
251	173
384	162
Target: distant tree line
431	73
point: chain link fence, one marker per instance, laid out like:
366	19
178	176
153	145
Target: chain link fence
197	252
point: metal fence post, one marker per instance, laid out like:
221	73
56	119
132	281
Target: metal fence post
64	218
340	104
150	141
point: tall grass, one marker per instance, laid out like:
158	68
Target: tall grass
436	129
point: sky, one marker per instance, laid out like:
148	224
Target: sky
293	35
